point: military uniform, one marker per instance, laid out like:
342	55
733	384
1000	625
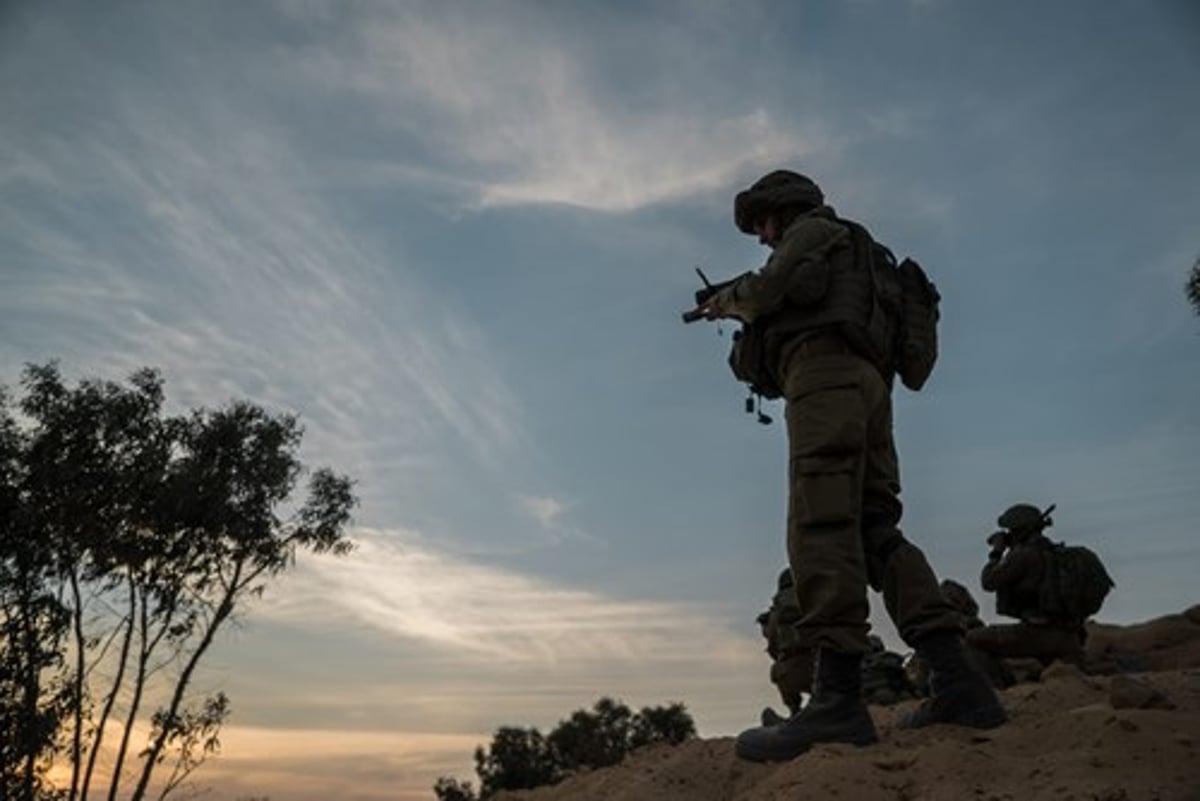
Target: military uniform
1017	575
883	675
816	307
843	470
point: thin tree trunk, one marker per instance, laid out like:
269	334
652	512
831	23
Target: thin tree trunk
77	738
116	687
224	608
31	690
139	684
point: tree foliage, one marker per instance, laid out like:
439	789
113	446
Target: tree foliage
669	724
593	739
128	538
519	759
447	789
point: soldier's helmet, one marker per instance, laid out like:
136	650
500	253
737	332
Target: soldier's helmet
1022	517
785	580
775	190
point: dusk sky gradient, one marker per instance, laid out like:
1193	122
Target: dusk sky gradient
455	239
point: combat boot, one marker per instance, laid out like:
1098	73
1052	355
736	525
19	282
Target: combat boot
835	714
769	717
961	695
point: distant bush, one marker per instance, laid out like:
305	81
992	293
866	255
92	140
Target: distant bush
521	759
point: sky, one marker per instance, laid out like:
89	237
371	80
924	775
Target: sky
456	239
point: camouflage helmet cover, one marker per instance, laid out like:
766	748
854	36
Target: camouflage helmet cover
1022	516
773	191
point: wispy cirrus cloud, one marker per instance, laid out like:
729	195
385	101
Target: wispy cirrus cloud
217	262
515	99
395	583
546	511
552	516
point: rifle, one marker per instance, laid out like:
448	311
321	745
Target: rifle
754	401
705	294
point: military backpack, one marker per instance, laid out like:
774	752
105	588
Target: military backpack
917	341
1075	584
901	334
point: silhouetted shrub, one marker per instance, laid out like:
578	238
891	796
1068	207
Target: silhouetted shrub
447	789
521	759
518	759
661	724
593	739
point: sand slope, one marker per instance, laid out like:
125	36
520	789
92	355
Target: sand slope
1131	736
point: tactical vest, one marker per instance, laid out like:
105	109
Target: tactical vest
858	304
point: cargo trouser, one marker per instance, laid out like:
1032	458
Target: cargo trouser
844	505
1027	640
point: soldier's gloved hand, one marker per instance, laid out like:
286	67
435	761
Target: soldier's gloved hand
998	540
714	308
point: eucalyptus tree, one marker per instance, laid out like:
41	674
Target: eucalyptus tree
153	532
34	626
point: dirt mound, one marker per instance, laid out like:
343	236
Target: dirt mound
1171	642
1071	737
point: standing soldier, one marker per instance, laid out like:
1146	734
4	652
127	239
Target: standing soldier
818	330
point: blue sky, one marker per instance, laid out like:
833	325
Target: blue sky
455	238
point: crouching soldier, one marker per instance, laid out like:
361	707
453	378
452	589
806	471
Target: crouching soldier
1050	588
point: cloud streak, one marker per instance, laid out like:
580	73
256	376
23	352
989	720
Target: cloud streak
212	217
516	102
395	584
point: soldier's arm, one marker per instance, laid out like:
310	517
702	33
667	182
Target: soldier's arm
798	272
1000	571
